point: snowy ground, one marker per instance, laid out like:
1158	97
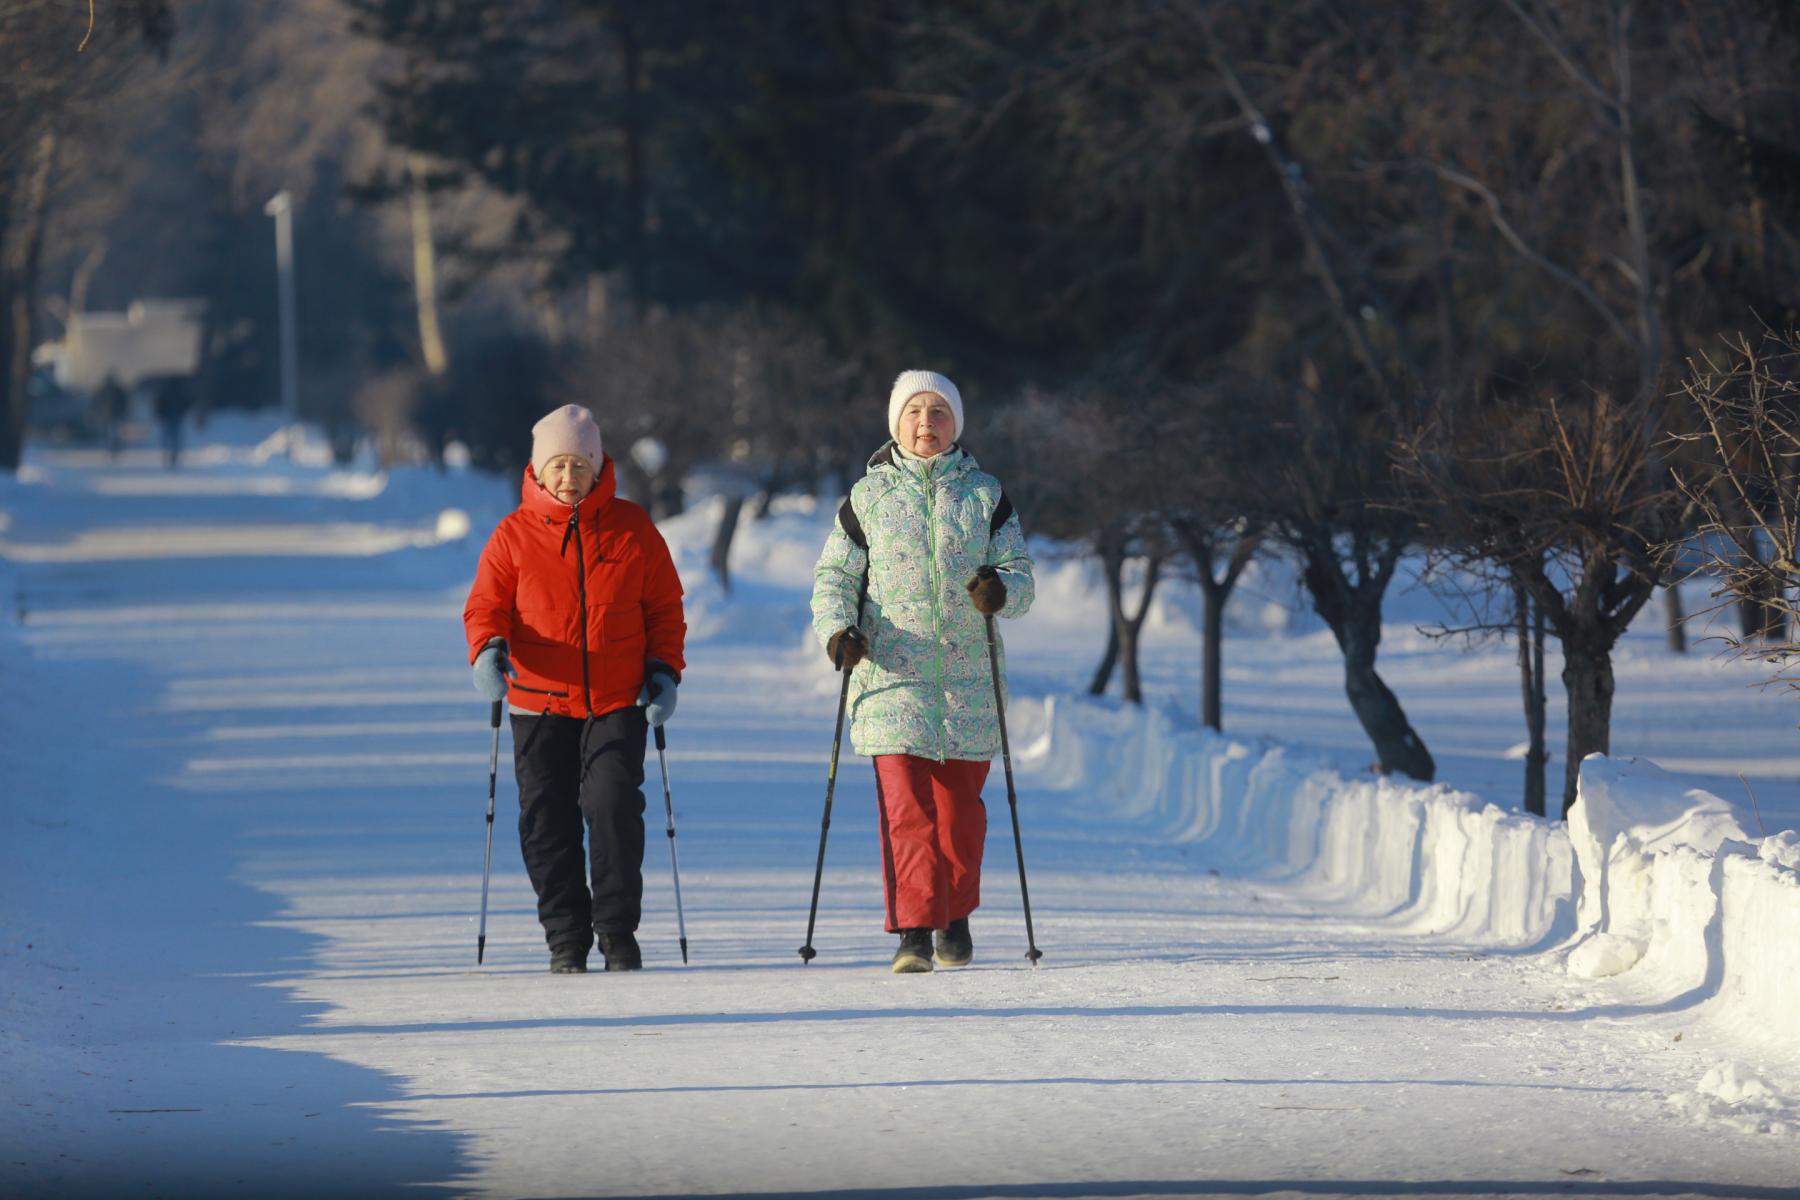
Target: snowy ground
241	795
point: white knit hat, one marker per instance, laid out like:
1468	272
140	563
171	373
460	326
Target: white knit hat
910	384
568	430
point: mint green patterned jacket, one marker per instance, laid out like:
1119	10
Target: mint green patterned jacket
925	688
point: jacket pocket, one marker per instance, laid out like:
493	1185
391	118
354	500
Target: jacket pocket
550	666
621	630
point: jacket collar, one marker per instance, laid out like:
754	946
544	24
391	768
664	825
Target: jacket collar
953	459
533	498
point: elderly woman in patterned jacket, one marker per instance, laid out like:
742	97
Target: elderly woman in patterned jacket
924	550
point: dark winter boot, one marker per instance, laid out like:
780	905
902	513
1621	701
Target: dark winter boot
914	954
621	950
955	948
568	959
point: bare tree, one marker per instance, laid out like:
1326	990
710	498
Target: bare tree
57	66
1203	455
1331	503
787	421
1745	485
1075	466
1566	500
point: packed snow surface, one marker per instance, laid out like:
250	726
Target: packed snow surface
242	789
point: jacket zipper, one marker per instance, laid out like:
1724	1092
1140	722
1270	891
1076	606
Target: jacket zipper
574	530
937	615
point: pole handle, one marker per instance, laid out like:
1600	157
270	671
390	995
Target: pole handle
494	716
662	743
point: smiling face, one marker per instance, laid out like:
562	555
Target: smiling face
568	477
926	425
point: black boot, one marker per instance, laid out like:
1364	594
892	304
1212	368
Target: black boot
621	950
570	958
955	948
914	954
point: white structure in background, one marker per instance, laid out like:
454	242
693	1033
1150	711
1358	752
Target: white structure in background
152	339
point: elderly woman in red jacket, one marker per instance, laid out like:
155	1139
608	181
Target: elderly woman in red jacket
575	612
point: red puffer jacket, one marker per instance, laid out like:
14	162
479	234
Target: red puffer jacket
585	598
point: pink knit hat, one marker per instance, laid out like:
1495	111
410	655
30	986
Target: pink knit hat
568	430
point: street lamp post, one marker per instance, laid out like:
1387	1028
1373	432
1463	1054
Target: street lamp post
280	206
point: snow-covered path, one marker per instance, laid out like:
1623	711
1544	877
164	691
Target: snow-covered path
244	777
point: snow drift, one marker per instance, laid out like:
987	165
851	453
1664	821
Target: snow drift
1432	859
1675	892
1650	876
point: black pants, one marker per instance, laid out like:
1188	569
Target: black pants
571	770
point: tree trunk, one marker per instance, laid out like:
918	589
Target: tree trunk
1212	648
1108	660
668	497
631	114
12	402
1530	630
1215	591
1112	569
1131	626
1353	614
721	547
1588	678
27	201
1676	618
1760	615
1396	745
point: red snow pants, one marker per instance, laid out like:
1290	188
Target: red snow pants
933	830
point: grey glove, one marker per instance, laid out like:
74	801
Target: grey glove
660	690
492	668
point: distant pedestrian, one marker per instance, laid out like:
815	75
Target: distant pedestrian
174	397
109	413
930	547
575	611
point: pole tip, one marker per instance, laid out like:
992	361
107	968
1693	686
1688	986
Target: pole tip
684	952
807	954
480	949
1032	955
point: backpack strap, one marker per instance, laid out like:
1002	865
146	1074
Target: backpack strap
852	525
1002	511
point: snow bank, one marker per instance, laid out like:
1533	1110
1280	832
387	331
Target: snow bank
1432	859
1651	875
1674	891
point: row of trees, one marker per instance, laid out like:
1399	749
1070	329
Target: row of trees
1353	287
1220	277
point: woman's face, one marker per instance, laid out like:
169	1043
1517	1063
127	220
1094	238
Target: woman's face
568	477
926	425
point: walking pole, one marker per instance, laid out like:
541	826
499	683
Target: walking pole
1012	795
807	953
662	745
487	856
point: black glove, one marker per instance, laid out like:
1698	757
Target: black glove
847	647
988	592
